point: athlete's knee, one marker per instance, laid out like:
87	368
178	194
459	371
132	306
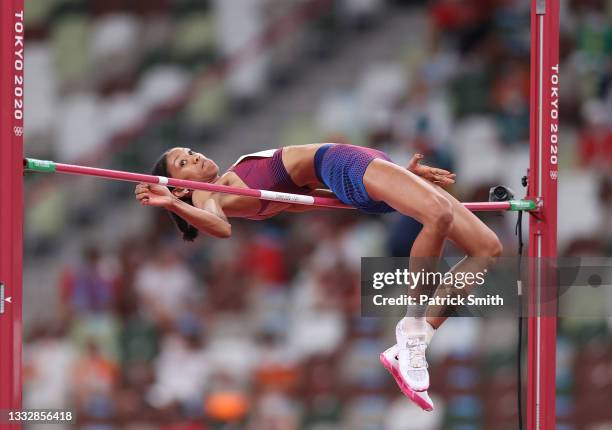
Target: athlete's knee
489	245
439	213
493	246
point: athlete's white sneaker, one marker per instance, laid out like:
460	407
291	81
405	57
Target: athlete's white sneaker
411	356
390	361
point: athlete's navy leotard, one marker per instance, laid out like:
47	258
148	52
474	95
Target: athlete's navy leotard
340	167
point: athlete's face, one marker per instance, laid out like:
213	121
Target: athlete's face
183	163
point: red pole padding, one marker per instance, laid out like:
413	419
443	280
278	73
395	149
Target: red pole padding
543	175
11	203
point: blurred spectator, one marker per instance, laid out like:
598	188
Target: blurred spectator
510	94
595	142
165	284
605	196
275	410
48	361
262	257
181	372
277	367
95	378
88	287
423	124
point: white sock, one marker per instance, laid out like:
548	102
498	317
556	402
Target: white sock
412	325
416	326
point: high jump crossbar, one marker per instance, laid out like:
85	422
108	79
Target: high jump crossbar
542	190
45	166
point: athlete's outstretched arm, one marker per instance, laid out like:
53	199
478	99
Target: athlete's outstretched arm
205	215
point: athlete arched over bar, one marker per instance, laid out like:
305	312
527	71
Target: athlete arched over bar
361	177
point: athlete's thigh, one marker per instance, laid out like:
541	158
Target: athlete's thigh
401	189
408	193
468	231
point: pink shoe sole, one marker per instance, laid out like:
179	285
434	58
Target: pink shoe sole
408	392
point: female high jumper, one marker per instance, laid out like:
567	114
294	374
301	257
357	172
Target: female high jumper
364	178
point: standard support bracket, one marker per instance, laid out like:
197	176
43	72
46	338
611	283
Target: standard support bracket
538	207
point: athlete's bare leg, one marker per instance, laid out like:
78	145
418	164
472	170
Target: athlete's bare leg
441	214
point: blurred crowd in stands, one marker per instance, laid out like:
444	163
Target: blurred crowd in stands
263	331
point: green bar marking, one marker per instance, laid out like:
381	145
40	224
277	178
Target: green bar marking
522	205
39	165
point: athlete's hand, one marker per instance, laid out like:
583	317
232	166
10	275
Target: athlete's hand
437	176
153	195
